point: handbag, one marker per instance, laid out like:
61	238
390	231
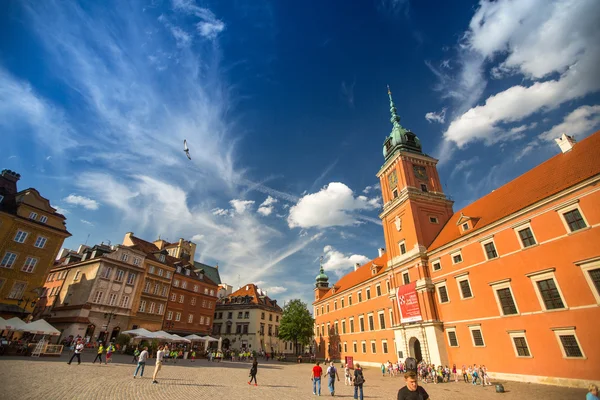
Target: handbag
359	379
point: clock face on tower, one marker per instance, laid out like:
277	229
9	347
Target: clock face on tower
393	179
420	172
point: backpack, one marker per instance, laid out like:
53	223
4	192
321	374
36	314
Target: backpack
411	364
359	379
332	372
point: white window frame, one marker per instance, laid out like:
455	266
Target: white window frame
535	277
345	347
488	241
181	298
476	328
112	299
17	295
504	284
177	316
9	258
379	313
586	266
391	318
404	274
120	275
385	349
169	315
125	302
359	298
400	244
570	330
43	219
367	294
98	297
565	209
151	269
40	242
355	346
131	278
136	261
519	228
351	327
378	291
437	291
33	215
457	253
19	235
161	309
459	279
77	276
361	327
519	334
438	262
452	329
374	346
349	302
369	316
363	346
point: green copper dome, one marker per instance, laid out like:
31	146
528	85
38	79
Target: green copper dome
322	280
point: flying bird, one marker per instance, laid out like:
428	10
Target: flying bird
186	149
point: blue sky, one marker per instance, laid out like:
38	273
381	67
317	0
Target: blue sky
285	110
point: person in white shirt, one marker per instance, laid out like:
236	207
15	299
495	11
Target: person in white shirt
160	354
141	362
78	350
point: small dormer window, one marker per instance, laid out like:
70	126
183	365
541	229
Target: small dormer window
178	270
433	220
161	258
465	226
187	272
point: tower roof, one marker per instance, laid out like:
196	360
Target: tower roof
400	138
321	280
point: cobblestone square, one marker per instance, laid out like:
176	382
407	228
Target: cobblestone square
28	378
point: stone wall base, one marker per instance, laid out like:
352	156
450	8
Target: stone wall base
544	380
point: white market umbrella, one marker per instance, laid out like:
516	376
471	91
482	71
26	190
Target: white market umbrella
210	339
220	343
194	337
163	335
178	338
12	324
40	327
140	332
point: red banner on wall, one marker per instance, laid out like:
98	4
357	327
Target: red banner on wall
408	303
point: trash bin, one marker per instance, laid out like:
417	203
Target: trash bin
499	388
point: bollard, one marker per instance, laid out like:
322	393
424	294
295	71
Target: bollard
499	388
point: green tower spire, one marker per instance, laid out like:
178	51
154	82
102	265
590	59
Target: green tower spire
400	138
322	280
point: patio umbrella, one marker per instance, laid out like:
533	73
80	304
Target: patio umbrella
12	324
194	337
220	343
178	338
40	327
140	332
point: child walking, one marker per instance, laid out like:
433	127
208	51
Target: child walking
253	371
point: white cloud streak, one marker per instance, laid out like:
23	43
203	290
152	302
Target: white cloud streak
82	201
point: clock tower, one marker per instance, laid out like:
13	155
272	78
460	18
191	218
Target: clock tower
415	206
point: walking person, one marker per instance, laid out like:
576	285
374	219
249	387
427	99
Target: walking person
454	372
333	374
141	362
99	354
347	376
160	354
109	352
412	390
253	372
592	392
136	354
316	374
77	353
359	380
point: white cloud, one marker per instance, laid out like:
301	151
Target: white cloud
557	39
581	121
274	290
209	26
83	221
221	212
197	238
375	187
266	207
61	210
85	202
240	206
464	164
436	117
334	205
338	262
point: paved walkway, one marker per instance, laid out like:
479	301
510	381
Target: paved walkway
27	378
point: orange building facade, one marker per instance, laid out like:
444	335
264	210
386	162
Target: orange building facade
511	281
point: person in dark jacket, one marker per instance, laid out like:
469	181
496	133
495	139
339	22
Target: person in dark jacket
253	372
359	380
412	390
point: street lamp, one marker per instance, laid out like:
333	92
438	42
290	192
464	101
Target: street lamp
27	301
110	316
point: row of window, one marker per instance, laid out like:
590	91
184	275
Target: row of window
363	346
59	276
17	289
152	308
205	303
159	271
125	258
112	300
544	282
573	220
359	296
183	285
159	289
361	324
244	315
21	236
190	318
566	337
10	258
107	273
34	216
270	330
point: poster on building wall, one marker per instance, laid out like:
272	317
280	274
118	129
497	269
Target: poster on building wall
408	303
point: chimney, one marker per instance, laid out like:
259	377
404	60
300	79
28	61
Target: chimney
565	142
9	180
381	251
356	266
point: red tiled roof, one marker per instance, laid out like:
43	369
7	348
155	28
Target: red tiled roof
353	278
252	291
551	177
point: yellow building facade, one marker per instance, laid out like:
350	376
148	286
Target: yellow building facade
31	235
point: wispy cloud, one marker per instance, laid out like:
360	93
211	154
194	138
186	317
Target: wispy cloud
82	201
83	221
347	92
436	117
